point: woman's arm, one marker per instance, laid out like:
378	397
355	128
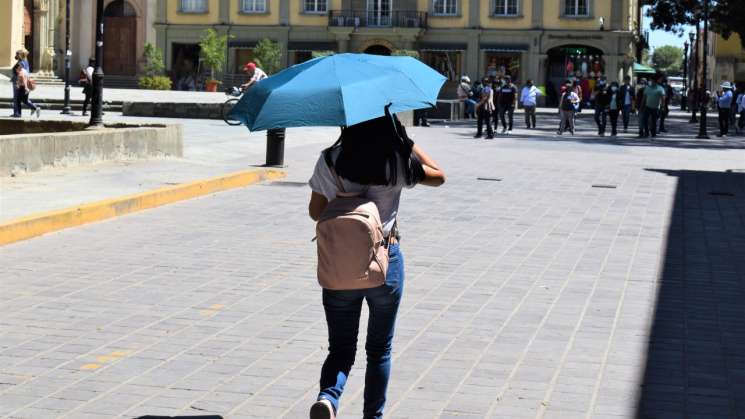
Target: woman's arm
316	206
433	176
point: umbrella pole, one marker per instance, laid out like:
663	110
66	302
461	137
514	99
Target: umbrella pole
275	147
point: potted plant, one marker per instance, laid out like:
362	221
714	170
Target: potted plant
212	51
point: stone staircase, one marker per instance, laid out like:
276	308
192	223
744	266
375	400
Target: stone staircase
48	80
57	105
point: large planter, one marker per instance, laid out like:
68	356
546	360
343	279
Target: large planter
211	85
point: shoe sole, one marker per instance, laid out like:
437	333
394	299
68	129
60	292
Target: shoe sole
319	411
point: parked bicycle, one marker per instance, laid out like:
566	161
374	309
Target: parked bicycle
234	95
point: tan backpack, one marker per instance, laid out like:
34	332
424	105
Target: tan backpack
352	251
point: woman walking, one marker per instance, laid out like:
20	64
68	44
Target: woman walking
24	85
21	59
375	160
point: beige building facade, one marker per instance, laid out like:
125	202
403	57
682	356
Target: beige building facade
545	40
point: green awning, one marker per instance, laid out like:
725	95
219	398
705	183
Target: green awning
643	69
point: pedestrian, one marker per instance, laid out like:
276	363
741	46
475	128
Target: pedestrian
666	103
567	106
21	59
601	102
642	117
254	74
654	98
615	106
377	160
507	103
25	85
86	80
724	103
496	85
465	94
628	101
740	127
484	110
529	99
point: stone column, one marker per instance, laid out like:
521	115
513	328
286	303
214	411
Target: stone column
41	34
473	56
284	12
613	66
536	20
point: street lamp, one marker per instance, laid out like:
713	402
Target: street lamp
694	76
684	98
97	105
704	102
66	107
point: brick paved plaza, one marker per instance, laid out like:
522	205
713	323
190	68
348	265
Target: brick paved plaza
550	277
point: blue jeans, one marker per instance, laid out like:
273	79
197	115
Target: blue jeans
343	317
16	106
626	116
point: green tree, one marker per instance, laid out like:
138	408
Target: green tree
153	57
726	16
212	49
268	56
668	58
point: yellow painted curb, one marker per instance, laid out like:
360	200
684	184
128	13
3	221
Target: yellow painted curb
47	222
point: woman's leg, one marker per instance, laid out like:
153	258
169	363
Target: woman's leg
383	303
16	106
342	310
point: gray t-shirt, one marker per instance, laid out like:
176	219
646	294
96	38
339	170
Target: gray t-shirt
386	197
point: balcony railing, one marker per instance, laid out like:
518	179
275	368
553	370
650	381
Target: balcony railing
395	18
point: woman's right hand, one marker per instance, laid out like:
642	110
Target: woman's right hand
433	175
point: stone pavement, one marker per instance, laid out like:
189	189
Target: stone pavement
530	292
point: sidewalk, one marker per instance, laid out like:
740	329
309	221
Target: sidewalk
596	278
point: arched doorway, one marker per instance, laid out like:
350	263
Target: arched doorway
119	40
378	50
569	62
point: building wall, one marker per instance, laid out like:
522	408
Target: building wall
299	18
731	47
452	22
211	17
522	21
11	31
552	19
259	19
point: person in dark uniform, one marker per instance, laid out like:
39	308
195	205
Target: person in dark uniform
507	101
666	105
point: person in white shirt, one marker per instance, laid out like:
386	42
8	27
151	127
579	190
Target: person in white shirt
86	81
255	75
528	98
567	106
465	94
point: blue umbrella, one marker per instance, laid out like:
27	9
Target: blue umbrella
338	90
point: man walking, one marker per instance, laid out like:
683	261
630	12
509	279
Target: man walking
654	96
507	103
567	104
724	103
666	103
601	102
642	117
484	110
628	101
528	98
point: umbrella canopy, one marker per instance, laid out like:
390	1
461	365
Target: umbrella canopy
338	90
643	69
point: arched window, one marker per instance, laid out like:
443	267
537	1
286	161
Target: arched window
119	8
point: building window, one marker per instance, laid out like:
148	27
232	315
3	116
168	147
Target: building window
577	8
193	6
447	63
506	7
253	6
316	6
445	7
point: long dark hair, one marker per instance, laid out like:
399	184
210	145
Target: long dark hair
371	153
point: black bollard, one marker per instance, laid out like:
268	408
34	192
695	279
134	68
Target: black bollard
275	147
